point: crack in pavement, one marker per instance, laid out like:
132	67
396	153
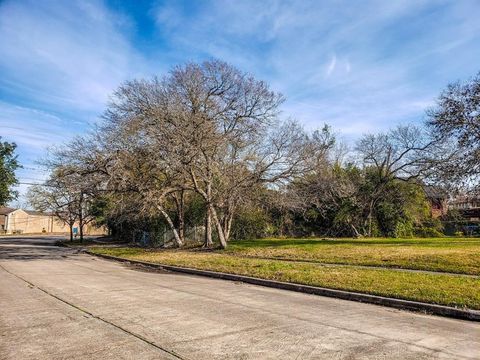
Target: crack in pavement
139	337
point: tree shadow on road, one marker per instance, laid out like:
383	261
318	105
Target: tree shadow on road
33	249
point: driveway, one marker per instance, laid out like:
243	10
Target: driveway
56	303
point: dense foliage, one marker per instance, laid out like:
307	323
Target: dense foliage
401	211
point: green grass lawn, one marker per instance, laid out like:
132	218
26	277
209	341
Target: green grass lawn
248	258
454	255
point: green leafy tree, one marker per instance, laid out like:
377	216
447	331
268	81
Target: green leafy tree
8	165
402	210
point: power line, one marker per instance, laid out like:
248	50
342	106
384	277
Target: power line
30	179
30	183
34	169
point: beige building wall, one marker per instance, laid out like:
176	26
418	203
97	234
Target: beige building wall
20	221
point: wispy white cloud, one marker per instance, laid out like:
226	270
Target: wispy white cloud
348	67
60	62
359	66
331	65
32	130
64	54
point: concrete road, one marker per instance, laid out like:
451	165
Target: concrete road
58	304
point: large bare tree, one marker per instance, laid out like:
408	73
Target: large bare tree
455	121
207	128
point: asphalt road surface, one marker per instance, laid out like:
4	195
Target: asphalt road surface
56	303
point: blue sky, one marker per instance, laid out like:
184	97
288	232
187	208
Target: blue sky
360	66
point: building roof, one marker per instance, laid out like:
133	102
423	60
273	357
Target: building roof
4	210
7	210
37	213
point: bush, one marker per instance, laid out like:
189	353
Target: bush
403	229
428	232
250	224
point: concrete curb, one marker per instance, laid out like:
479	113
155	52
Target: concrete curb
433	309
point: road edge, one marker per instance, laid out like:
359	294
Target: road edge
433	309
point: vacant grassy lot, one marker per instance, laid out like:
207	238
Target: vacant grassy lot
246	258
455	255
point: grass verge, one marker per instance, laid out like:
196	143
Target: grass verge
453	255
443	289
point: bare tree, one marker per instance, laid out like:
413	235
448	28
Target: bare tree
223	113
138	173
404	153
75	174
55	198
206	128
455	121
237	139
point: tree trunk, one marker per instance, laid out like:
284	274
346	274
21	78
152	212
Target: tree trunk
221	235
80	224
81	230
178	241
370	218
355	231
227	225
180	202
208	229
70	225
208	216
80	217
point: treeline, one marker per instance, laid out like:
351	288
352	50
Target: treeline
206	146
